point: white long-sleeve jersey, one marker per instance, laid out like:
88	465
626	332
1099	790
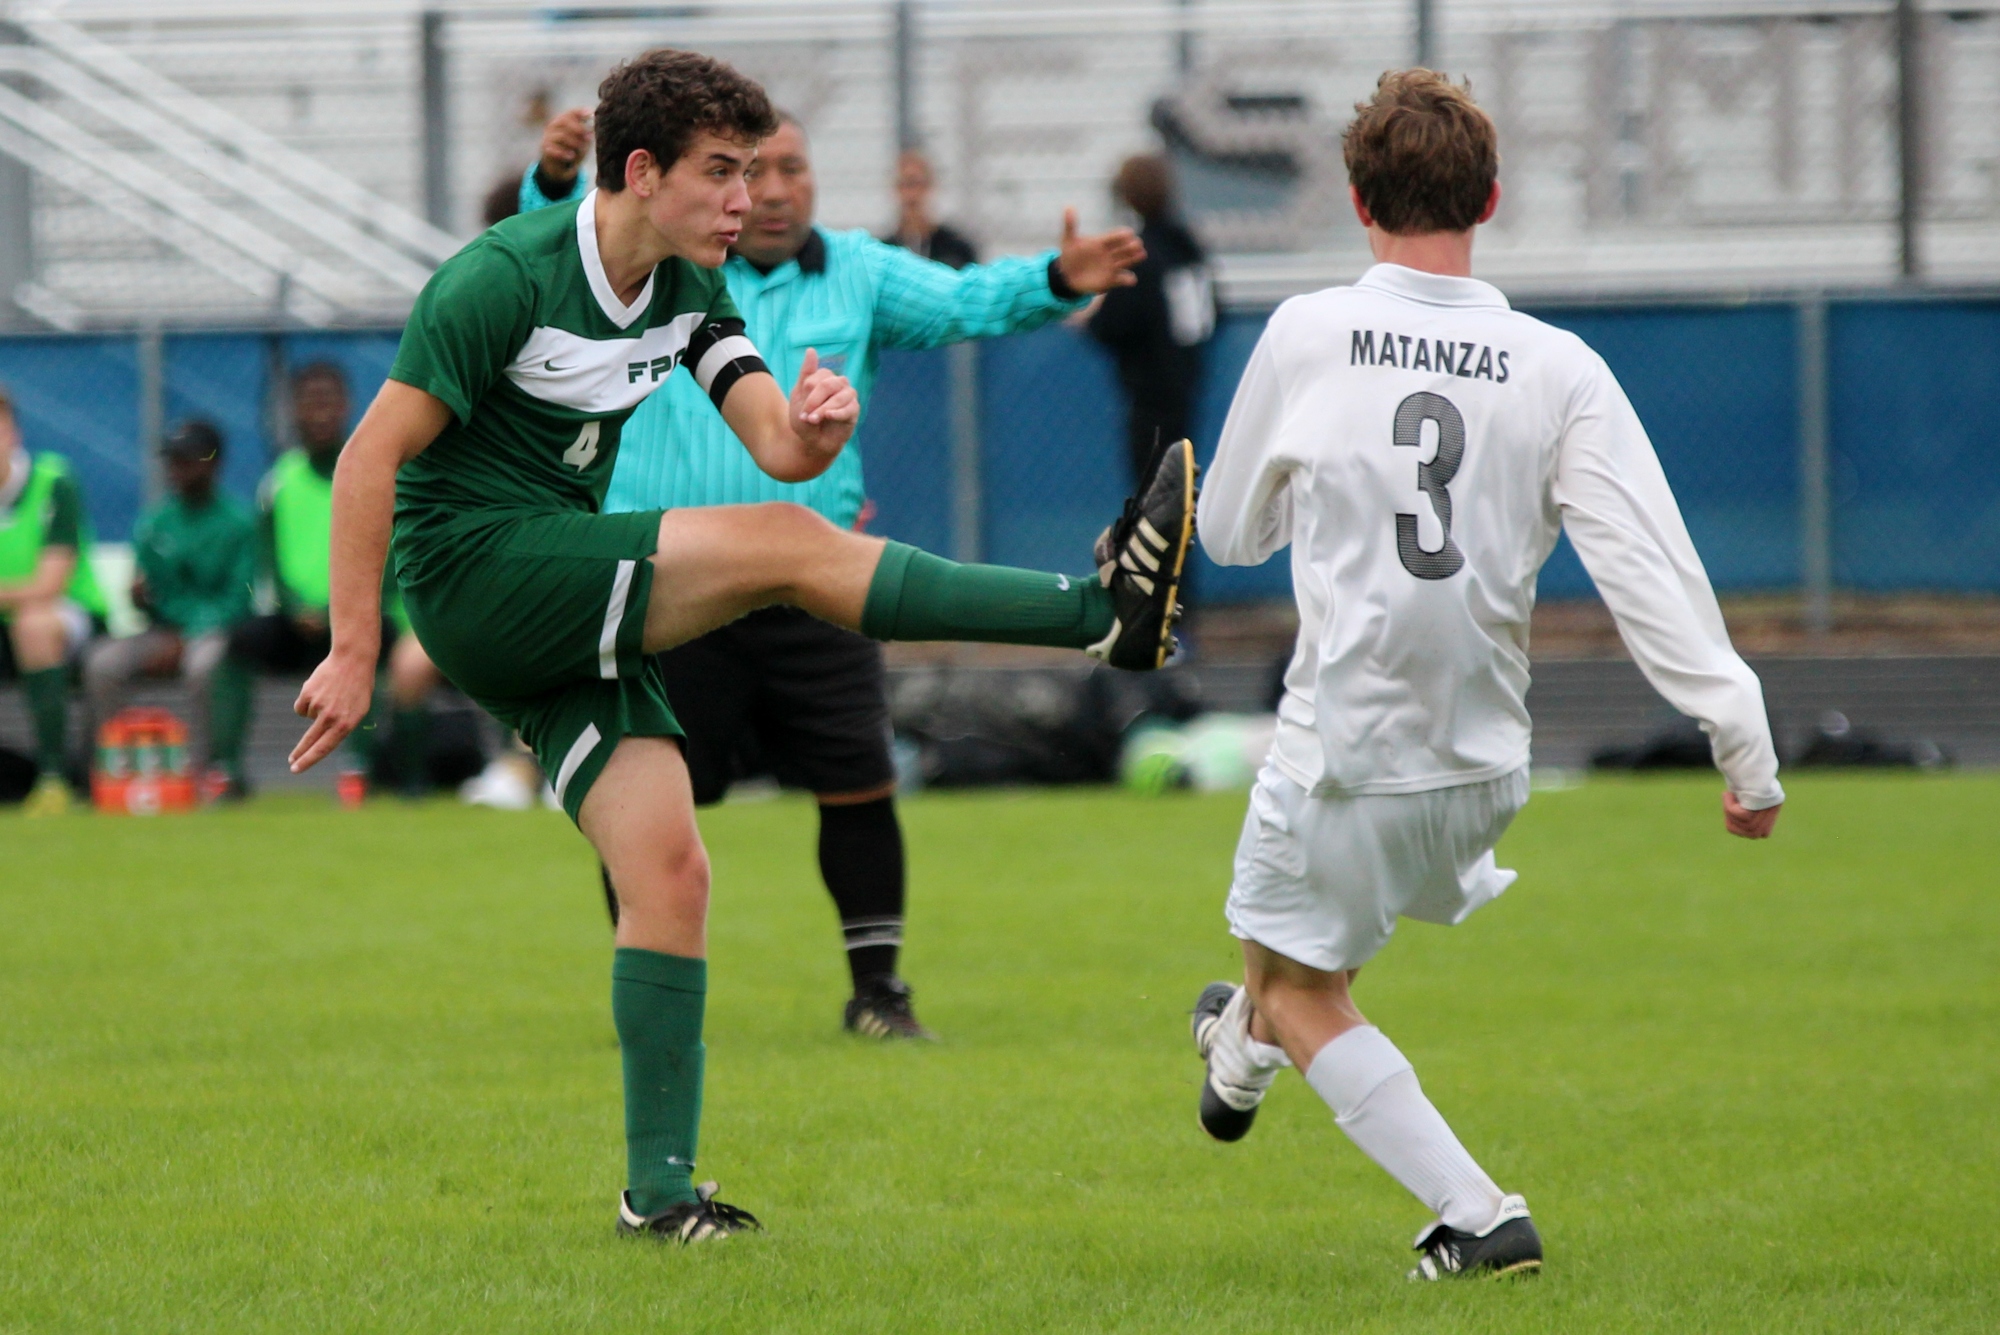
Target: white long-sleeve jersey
1419	443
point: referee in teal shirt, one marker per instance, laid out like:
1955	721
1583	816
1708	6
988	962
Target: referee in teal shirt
780	690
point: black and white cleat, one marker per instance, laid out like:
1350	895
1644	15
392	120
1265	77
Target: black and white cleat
1141	558
688	1222
1234	1085
882	1008
1509	1246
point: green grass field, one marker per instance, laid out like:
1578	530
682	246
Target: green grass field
294	1069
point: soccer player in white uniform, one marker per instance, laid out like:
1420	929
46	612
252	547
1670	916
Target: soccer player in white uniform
1418	443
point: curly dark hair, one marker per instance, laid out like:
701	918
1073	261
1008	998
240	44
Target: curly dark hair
663	99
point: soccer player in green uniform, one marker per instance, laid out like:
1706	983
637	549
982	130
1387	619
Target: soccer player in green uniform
196	554
493	442
812	695
50	602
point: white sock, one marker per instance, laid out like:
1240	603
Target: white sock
1377	1101
1238	1060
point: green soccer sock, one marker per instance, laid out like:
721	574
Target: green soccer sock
359	748
657	1002
917	596
48	700
411	729
230	695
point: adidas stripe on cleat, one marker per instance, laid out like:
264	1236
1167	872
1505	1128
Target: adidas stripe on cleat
1509	1246
1141	559
882	1008
686	1223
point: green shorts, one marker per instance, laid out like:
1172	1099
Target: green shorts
539	618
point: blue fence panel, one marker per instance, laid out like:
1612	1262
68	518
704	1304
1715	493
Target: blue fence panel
1228	354
905	443
79	397
1718	393
1052	435
1914	407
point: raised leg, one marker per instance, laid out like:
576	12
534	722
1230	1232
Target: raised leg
716	563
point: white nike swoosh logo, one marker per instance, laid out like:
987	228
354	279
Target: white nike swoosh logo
1062	583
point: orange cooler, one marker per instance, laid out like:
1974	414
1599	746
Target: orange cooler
142	765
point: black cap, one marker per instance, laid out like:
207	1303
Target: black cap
193	440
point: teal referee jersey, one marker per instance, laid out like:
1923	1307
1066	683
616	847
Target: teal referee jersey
848	295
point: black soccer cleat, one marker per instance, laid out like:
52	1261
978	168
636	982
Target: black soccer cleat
881	1008
1141	558
1509	1247
1228	1105
688	1222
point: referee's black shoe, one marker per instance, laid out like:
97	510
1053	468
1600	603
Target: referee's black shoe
1141	558
1510	1246
688	1222
881	1008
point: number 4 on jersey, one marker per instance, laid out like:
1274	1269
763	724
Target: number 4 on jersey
584	448
1411	414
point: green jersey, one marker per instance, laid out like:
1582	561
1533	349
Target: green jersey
199	563
521	335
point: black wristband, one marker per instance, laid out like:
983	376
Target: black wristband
1059	285
551	188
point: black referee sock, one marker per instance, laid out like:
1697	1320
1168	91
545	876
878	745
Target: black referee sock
861	857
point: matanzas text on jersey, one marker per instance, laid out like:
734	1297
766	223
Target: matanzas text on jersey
1474	361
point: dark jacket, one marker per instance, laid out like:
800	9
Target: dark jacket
1157	330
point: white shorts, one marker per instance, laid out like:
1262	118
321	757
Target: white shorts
1322	880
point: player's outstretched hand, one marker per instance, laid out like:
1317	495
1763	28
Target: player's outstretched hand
1093	264
824	408
1744	823
564	141
336	698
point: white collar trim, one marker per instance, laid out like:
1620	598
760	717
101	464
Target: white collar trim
1435	288
593	270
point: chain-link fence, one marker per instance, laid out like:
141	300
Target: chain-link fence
1701	146
1683	187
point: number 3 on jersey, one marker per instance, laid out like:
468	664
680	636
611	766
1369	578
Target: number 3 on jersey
584	448
1432	477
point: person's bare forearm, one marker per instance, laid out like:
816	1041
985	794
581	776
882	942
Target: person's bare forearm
51	577
793	438
399	425
760	414
364	502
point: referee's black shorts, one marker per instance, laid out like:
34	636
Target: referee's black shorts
782	692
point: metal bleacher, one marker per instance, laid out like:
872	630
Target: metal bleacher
218	160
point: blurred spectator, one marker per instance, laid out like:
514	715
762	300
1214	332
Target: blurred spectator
502	202
195	554
294	523
917	228
50	602
1158	327
553	176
